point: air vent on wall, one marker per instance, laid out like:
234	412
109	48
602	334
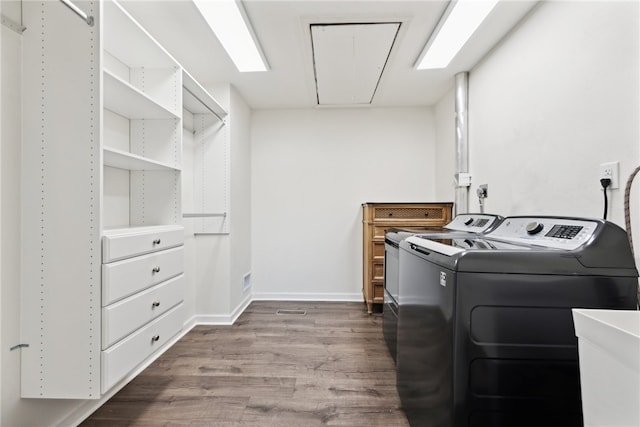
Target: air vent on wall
348	60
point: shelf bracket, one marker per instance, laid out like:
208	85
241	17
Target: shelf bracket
79	12
17	346
205	105
204	215
13	25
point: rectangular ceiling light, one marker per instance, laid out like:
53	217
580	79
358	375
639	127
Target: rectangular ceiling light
348	60
461	19
231	26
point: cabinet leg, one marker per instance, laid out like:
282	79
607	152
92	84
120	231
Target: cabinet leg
369	307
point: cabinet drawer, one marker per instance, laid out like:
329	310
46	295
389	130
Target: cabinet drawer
379	231
125	316
121	358
409	213
128	242
377	270
378	292
123	278
377	251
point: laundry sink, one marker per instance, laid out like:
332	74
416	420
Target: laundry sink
609	357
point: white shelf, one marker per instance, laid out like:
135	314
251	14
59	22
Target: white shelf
125	39
140	230
128	101
197	100
124	160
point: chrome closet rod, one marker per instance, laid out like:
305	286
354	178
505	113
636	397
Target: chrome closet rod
204	215
205	105
211	234
79	12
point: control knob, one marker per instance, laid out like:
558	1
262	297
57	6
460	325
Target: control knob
534	227
469	221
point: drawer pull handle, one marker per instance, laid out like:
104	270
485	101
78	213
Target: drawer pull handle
156	270
155	304
156	242
155	338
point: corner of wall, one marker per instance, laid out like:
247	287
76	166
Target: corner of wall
444	112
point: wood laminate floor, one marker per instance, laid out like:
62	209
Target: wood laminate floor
329	367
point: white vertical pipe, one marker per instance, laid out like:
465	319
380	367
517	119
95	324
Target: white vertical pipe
462	143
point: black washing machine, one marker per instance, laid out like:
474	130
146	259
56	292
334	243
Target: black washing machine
463	223
485	331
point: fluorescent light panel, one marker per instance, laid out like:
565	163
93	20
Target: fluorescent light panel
233	30
460	23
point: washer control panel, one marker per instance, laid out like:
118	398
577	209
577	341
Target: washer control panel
559	233
476	223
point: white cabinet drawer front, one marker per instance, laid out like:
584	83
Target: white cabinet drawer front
123	278
121	358
125	243
125	316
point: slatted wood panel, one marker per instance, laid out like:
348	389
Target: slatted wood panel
328	367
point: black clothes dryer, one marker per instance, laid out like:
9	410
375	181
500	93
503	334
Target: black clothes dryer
485	331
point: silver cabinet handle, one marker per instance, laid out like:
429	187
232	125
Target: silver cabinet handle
155	304
156	242
155	338
156	270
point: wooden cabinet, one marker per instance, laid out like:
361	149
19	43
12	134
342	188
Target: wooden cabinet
377	218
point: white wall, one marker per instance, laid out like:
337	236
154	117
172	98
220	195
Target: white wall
311	171
566	106
445	116
240	201
549	104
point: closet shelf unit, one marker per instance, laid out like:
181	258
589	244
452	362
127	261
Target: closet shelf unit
102	162
123	160
209	121
197	100
128	101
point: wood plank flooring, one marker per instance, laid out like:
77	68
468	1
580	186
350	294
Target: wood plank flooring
329	367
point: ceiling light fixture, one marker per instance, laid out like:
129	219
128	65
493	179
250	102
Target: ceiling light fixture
229	22
458	23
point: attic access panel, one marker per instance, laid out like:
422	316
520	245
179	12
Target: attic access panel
348	60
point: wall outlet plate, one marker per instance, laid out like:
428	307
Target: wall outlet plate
483	191
610	170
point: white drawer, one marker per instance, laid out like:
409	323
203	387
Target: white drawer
125	316
123	278
121	358
127	242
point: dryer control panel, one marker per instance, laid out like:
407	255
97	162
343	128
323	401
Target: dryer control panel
550	232
475	223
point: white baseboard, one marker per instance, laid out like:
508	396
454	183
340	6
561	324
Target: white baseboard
222	319
288	296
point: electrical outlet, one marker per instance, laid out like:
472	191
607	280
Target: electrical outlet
610	170
483	191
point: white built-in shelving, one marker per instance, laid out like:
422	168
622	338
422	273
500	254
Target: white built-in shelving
102	168
197	100
124	160
128	101
210	215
